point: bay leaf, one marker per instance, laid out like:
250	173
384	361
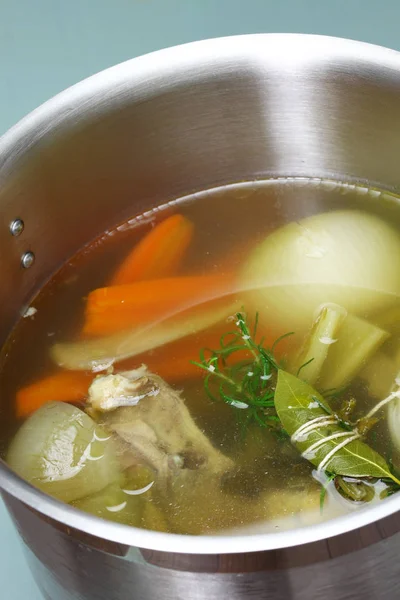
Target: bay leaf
296	404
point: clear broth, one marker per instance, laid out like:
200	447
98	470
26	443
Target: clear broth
273	488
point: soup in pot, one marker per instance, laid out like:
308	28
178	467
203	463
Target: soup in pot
226	363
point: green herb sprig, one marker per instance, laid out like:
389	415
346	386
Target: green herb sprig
248	384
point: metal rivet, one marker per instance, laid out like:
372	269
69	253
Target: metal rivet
27	259
16	227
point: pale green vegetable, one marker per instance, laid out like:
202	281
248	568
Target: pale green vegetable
122	502
315	349
347	257
62	451
357	341
90	354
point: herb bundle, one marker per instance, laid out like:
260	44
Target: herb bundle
264	393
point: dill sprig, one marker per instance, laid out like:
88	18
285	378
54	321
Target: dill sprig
249	384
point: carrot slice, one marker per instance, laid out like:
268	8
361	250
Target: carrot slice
158	254
66	386
115	308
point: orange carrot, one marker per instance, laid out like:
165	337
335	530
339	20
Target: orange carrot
116	308
65	386
158	254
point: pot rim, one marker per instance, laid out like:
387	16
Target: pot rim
145	74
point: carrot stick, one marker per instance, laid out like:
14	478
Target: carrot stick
67	386
158	254
115	308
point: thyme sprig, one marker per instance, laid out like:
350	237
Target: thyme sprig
247	384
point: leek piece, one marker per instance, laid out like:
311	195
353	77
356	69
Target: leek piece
89	354
318	343
357	341
63	452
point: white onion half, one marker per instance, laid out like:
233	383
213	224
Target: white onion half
347	257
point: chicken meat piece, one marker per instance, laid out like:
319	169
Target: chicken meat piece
153	424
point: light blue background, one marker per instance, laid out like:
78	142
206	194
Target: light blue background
47	45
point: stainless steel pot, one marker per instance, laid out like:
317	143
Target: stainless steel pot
146	132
